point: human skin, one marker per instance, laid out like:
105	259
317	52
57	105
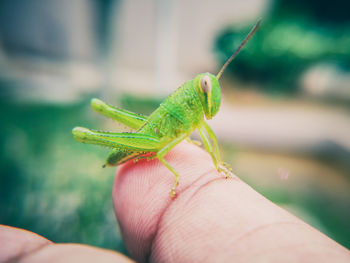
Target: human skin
212	219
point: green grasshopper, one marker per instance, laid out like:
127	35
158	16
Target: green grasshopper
173	121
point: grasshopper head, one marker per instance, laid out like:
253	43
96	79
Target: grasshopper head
207	85
208	89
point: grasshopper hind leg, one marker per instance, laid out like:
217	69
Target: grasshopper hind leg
148	157
128	118
117	156
130	145
126	145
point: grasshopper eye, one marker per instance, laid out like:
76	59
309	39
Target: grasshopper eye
206	84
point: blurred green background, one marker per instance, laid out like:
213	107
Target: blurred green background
284	125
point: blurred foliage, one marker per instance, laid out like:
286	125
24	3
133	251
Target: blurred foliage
293	37
50	184
139	104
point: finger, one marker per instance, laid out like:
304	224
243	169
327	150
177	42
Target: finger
15	242
18	245
212	219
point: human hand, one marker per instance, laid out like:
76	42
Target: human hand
212	219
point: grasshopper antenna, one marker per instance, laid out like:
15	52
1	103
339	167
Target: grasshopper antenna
250	34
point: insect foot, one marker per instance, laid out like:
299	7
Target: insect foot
225	169
227	166
195	142
172	193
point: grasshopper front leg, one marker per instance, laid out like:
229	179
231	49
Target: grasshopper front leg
219	165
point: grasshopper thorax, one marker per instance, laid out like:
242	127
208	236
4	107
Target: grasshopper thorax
209	92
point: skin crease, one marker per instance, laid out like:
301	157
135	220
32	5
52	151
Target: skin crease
211	220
